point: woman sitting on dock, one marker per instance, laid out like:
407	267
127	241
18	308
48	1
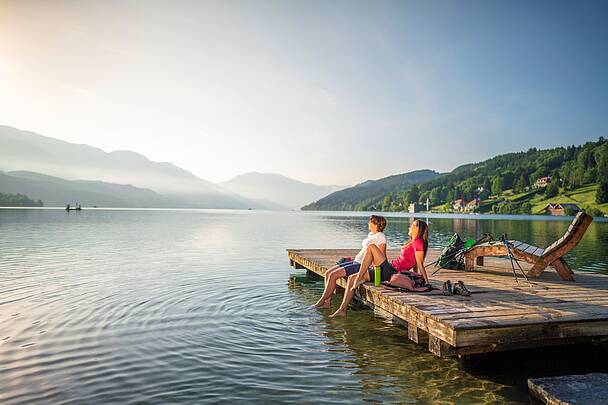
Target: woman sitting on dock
412	256
375	238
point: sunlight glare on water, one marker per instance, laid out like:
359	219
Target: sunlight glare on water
164	306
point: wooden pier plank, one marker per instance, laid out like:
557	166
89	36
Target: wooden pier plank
500	315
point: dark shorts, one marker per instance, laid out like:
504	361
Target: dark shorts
350	268
386	271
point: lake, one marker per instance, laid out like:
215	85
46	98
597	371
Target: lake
188	306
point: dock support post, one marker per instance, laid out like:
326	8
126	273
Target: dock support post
416	334
440	348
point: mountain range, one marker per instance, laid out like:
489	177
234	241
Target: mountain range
60	172
368	195
512	183
263	187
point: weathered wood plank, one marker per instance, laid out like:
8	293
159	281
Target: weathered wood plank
500	315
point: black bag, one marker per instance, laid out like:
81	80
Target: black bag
408	281
451	256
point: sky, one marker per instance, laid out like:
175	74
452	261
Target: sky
329	92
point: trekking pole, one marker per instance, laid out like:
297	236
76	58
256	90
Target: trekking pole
510	254
522	272
504	240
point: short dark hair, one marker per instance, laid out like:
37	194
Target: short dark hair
379	221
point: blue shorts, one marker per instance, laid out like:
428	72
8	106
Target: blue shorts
350	267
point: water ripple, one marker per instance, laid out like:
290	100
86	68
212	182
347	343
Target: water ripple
191	306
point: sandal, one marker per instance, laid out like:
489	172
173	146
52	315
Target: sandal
461	289
447	288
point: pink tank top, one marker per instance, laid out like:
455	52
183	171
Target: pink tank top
407	259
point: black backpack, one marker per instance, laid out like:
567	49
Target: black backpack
450	256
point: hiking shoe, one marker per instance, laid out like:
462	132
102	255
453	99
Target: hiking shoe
461	289
447	288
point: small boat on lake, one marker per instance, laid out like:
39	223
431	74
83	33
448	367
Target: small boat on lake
77	207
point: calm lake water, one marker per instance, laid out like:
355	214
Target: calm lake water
160	306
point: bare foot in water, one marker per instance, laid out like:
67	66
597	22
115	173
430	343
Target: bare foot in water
338	313
323	304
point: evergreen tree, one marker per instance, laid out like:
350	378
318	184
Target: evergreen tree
413	196
521	184
601	160
486	184
507	180
18	200
497	185
552	189
450	197
435	195
457	192
468	192
602	192
386	203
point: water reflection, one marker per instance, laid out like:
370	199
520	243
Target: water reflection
393	369
113	306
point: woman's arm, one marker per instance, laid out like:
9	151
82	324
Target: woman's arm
420	265
382	248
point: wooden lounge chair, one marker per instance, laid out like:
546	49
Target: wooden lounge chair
540	258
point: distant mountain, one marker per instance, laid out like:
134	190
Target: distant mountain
507	183
370	193
28	151
511	183
57	192
276	188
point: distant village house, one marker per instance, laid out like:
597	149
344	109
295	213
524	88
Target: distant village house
472	205
542	182
458	205
461	205
560	209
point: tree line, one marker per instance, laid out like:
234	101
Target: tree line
569	167
18	200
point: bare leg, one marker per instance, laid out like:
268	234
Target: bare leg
349	293
330	286
331	270
374	255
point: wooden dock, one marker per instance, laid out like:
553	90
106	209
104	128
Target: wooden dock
500	314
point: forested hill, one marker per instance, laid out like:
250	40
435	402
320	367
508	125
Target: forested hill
370	193
18	200
504	183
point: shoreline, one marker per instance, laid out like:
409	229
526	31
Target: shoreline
514	217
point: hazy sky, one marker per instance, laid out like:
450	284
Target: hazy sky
329	92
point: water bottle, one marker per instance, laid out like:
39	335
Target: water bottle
377	275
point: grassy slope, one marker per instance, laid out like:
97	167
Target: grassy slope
584	197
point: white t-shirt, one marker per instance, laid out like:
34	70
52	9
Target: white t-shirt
377	239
